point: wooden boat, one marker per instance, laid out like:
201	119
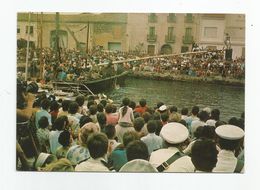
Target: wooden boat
91	86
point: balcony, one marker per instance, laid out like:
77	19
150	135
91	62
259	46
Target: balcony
170	39
187	39
189	19
151	38
171	18
152	18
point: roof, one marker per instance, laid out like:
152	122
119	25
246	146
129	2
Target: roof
75	18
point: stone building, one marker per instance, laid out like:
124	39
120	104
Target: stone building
154	33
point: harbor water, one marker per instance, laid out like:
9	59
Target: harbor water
230	100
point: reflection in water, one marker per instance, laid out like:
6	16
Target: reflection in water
228	99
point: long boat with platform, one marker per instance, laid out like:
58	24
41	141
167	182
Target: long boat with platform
91	86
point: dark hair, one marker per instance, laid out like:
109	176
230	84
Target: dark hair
101	118
183	122
159	104
125	102
110	131
228	144
204	155
203	116
218	123
64	138
195	110
80	100
65	105
137	114
173	109
215	114
130	136
97	144
90	103
142	102
59	122
138	124
93	109
109	108
84	119
45	104
237	122
43	122
73	107
100	107
137	150
184	111
91	97
132	105
54	106
103	102
156	116
151	126
147	116
164	117
208	132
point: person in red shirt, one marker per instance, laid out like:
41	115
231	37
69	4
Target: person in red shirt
141	108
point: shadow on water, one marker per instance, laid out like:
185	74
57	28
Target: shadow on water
228	99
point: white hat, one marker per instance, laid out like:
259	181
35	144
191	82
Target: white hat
174	133
41	159
229	132
207	109
162	108
138	165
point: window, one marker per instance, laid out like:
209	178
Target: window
210	32
152	31
171	17
189	18
152	18
170	31
188	32
31	29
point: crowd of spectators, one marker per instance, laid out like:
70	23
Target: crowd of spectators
91	134
71	64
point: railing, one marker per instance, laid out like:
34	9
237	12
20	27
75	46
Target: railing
151	38
187	39
170	39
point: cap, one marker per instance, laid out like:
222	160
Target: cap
207	109
41	159
174	133
230	132
162	108
138	165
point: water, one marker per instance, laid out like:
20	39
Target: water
228	99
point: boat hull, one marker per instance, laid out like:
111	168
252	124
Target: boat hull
94	86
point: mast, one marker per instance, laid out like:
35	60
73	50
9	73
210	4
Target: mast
87	38
28	46
57	40
41	59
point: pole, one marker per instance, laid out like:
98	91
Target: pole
87	39
28	45
41	59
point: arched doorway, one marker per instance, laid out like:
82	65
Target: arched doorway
166	49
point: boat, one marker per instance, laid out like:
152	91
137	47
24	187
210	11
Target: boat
92	86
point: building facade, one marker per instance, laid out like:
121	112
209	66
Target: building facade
152	33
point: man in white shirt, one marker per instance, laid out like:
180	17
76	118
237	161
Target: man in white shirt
152	141
203	117
229	137
98	146
175	136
